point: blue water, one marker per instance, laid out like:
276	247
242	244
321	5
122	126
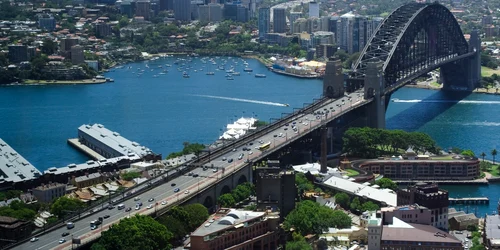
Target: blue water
163	112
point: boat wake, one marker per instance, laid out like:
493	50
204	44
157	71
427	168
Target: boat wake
244	100
446	101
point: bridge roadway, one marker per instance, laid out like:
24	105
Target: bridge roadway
190	185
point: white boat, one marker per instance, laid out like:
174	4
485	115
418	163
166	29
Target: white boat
210	73
236	73
260	76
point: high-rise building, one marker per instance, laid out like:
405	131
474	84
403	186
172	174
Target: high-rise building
182	10
163	5
126	9
67	43
430	196
210	13
279	20
47	23
242	14
264	22
230	11
325	50
18	53
77	56
102	29
276	189
294	16
143	8
314	9
334	26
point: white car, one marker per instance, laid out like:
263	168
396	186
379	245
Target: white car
137	207
186	192
251	152
164	203
150	206
62	240
137	198
34	239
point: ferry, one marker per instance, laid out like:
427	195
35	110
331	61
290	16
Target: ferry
287	105
260	76
248	70
395	100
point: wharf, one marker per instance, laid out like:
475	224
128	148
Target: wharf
294	75
88	151
483	181
470	200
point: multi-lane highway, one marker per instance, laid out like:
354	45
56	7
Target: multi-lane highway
199	178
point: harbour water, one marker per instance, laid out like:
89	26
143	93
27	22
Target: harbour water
162	111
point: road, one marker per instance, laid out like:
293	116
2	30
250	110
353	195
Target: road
221	166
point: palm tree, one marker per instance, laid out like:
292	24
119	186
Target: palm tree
483	155
494	153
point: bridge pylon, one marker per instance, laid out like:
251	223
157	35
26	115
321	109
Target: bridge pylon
375	88
333	80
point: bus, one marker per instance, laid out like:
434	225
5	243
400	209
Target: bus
265	146
70	225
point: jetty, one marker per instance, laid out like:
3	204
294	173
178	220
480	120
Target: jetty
469	200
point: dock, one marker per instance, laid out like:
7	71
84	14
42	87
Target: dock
86	150
470	200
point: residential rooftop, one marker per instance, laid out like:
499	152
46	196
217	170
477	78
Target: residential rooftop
409	232
226	219
13	167
114	140
386	196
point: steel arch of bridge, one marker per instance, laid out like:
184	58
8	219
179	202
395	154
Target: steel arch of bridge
414	39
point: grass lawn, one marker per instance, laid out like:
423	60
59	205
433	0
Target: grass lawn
436	85
488	72
494	171
351	172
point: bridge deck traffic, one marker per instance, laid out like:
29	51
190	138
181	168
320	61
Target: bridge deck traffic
189	186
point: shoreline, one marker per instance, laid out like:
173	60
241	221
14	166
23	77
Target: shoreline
477	90
56	82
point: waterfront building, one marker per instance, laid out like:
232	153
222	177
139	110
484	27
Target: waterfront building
182	10
89	180
237	229
13	230
430	196
275	189
314	9
238	128
18	53
57	70
423	167
108	143
77	56
210	13
491	234
264	22
68	42
407	213
46	193
279	20
14	169
143	8
94	64
460	220
47	22
102	29
280	39
293	17
334	26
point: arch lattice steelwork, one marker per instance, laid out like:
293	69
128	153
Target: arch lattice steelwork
411	41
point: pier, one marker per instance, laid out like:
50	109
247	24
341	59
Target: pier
470	200
86	150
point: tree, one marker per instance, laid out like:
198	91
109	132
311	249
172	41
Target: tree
355	204
64	205
369	206
311	218
303	184
483	154
176	227
197	214
352	59
18	210
387	183
342	55
138	232
130	176
469	152
49	47
322	244
226	200
494	154
342	199
298	245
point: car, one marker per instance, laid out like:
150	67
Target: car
286	128
234	150
240	156
137	207
34	239
176	190
251	152
106	216
186	192
128	209
230	160
195	175
150	206
190	174
140	204
163	203
172	185
275	135
214	170
64	234
251	143
261	141
224	158
62	241
110	207
151	199
137	198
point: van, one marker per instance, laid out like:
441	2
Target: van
121	206
70	225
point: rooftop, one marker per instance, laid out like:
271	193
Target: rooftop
13	167
225	219
89	165
386	196
491	227
402	231
114	140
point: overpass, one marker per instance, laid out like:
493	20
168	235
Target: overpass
413	40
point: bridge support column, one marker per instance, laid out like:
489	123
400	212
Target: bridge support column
333	81
375	88
324	134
